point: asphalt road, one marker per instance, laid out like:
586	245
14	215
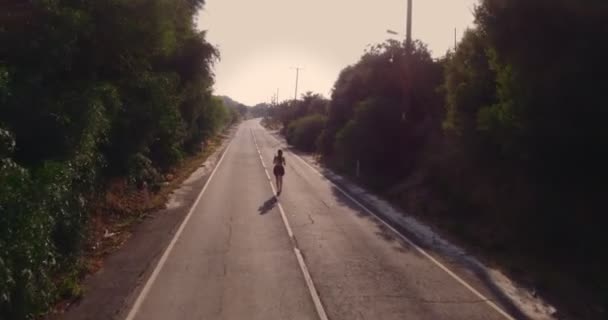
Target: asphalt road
311	254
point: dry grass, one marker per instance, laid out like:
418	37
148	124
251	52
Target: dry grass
123	206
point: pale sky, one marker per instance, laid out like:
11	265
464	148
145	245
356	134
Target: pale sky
260	41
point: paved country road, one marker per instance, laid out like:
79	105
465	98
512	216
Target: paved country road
311	254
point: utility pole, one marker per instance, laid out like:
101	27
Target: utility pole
277	95
297	77
408	51
454	39
408	37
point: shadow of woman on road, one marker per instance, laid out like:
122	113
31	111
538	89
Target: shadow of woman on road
268	205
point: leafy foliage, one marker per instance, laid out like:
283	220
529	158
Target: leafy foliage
261	110
237	109
304	132
376	103
526	110
378	115
290	111
88	91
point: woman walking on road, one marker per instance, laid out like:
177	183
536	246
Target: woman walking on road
279	170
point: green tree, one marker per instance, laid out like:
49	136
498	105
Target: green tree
88	91
383	110
524	126
304	132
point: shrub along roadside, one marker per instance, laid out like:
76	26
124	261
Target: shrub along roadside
90	92
45	222
304	132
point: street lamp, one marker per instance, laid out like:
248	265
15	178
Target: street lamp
408	30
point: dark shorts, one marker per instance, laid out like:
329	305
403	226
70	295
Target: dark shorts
279	170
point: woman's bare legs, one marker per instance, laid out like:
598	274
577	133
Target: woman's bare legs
278	183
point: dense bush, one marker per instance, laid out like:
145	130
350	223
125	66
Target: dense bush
535	111
311	106
528	111
89	91
304	132
42	215
379	116
366	139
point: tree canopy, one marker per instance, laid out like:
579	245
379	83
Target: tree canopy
89	90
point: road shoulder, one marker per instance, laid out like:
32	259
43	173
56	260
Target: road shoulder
115	286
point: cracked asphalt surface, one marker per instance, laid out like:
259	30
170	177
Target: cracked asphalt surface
235	260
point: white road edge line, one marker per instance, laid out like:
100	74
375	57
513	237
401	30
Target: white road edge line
404	238
309	283
143	294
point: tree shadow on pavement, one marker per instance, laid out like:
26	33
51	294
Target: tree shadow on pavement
268	205
498	295
485	279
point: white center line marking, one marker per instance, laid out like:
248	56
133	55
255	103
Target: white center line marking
309	283
144	292
404	238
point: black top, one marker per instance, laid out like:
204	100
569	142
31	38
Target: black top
279	161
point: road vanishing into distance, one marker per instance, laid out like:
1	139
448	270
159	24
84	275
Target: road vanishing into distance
311	253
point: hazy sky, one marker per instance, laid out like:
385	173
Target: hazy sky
260	41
